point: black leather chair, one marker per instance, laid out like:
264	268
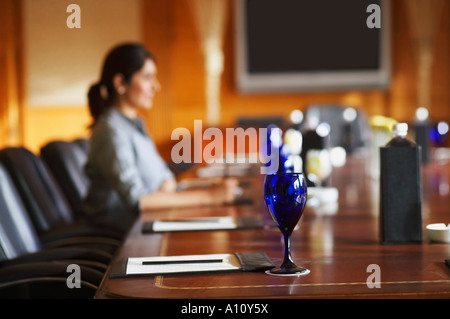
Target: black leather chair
66	161
45	203
27	268
19	241
83	143
46	280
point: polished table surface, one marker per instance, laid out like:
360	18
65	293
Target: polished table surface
337	244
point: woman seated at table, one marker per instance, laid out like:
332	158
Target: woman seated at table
126	172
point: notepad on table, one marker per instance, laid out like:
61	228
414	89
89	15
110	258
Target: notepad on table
190	264
199	224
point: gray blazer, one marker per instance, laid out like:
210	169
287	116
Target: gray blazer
123	164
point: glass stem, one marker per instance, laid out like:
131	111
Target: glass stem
287	262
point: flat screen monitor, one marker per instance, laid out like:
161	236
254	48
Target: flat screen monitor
306	45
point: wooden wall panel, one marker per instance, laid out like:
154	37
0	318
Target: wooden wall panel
158	36
183	79
10	72
168	30
403	95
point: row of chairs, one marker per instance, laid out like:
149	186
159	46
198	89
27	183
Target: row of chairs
41	229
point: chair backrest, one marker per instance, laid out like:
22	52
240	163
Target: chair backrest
83	143
44	201
17	235
66	161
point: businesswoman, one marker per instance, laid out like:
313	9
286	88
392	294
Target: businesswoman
126	172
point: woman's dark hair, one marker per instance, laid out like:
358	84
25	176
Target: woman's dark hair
125	59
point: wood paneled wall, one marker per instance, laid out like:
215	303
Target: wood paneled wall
171	34
169	31
10	73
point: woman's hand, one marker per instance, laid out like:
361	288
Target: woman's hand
222	193
168	186
225	192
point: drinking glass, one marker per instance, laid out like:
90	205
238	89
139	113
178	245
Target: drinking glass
285	197
318	166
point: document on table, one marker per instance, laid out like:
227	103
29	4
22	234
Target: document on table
199	224
181	264
189	264
195	224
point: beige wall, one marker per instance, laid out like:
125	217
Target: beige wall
60	63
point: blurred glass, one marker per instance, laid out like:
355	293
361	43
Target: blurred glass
318	166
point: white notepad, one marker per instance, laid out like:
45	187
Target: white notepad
195	224
181	264
189	264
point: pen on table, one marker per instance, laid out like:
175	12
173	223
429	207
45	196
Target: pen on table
166	262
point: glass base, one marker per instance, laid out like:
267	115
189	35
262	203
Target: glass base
296	271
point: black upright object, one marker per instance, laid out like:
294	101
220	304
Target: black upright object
312	141
400	190
421	137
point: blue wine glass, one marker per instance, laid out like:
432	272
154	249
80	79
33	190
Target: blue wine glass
285	197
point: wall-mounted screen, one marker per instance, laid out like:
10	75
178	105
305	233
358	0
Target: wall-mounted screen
298	45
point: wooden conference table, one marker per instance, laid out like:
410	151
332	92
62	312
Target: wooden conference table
337	243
